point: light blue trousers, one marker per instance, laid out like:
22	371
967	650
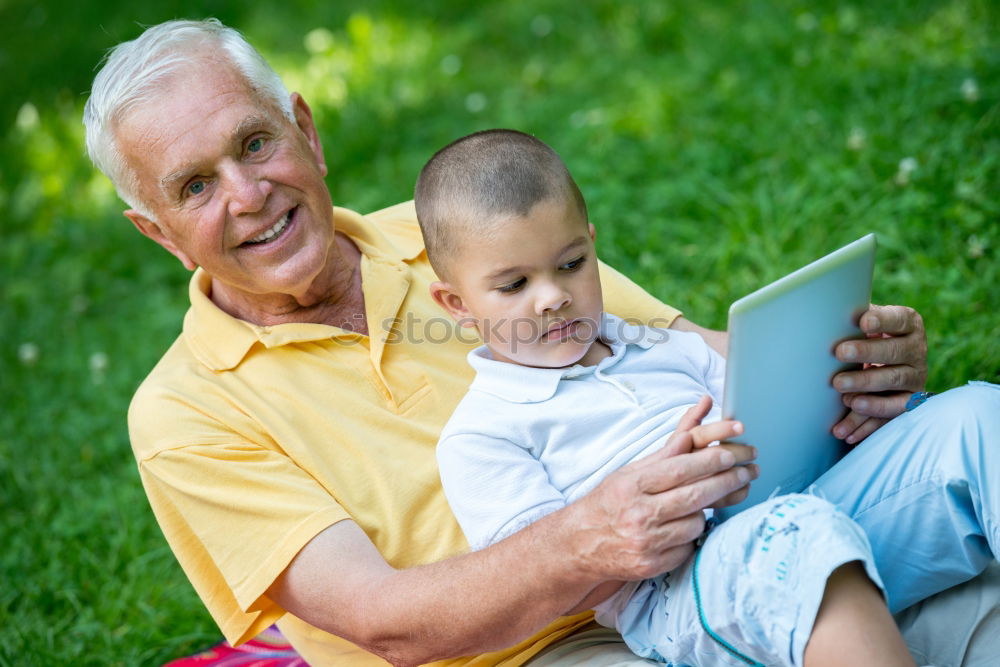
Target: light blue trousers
924	489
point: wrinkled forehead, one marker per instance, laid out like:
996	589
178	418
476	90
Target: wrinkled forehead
187	116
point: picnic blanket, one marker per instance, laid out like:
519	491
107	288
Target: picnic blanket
268	649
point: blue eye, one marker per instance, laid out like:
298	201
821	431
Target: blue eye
196	188
255	145
573	264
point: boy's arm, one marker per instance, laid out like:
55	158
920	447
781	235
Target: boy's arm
494	487
717	340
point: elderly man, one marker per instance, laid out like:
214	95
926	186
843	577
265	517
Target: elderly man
285	441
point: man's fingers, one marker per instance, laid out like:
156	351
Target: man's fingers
868	427
884	406
849	423
880	378
893	320
705	492
674	557
739	495
658	472
897	350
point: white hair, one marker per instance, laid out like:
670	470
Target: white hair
130	76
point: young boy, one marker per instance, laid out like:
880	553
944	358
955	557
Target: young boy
565	394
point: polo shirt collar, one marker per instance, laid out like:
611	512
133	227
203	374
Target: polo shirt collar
221	341
527	384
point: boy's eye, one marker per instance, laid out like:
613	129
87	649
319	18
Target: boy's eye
574	264
512	286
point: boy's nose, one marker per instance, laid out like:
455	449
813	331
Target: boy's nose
552	298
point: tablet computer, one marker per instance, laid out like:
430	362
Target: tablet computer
780	364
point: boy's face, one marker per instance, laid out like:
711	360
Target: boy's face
533	290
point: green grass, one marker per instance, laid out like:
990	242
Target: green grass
719	145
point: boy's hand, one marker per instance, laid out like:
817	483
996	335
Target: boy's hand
894	358
644	518
691	434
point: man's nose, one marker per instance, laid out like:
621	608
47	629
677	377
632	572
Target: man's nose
552	297
247	191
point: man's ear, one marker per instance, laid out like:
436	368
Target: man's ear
153	231
304	119
444	295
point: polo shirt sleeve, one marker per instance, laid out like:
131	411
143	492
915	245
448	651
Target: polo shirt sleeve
235	514
495	487
624	298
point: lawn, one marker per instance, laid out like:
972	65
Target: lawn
719	146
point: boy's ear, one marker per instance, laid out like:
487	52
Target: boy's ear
593	231
445	296
153	231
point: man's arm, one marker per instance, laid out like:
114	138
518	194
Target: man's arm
639	522
895	365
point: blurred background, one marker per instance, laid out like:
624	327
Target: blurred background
719	146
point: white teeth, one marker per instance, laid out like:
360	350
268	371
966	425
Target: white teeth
270	233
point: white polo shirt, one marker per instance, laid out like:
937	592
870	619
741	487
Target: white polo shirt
527	441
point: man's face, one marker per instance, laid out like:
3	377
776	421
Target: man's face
533	289
235	186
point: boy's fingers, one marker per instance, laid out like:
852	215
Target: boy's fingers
706	434
680	442
693	415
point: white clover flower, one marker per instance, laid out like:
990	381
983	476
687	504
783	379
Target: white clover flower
98	362
475	102
541	25
806	22
976	247
907	166
451	64
583	118
27	353
856	139
970	90
27	117
318	40
79	304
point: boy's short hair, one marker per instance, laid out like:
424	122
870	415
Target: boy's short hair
482	178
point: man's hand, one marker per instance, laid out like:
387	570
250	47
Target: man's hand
643	519
895	365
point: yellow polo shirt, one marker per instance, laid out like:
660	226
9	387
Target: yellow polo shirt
251	440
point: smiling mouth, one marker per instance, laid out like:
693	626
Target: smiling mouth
272	233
